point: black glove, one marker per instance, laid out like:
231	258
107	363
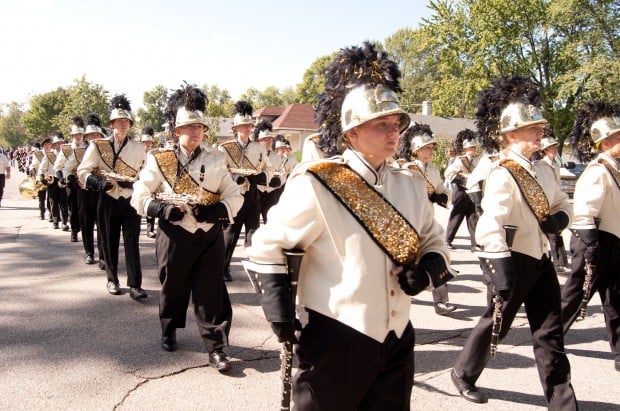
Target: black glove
43	180
460	180
258	179
32	173
97	184
285	331
241	180
439	199
501	272
476	198
166	211
275	182
125	184
71	179
431	269
214	213
554	224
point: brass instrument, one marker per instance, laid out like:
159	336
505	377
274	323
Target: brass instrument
115	177
49	179
242	171
30	188
177	199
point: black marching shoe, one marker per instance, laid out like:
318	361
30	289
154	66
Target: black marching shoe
169	342
89	259
449	246
468	391
101	265
113	288
65	227
74	238
219	361
137	293
618	363
56	226
444	308
150	234
42	217
227	276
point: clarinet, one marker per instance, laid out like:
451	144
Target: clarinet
293	262
498	300
587	283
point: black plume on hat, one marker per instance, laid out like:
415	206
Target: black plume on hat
461	136
58	134
352	66
121	102
262	126
580	137
188	96
93	119
491	102
78	121
243	107
416	129
148	131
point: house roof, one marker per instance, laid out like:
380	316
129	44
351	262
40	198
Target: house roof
444	126
268	111
296	116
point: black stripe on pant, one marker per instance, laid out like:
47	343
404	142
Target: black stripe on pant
248	216
538	288
73	206
87	210
193	263
462	207
343	369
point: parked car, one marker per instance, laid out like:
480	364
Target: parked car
569	173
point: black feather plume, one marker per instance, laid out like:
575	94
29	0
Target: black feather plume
580	134
78	121
93	119
120	102
262	126
461	136
148	131
416	129
243	108
352	66
188	96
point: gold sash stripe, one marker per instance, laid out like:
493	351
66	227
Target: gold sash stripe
385	225
468	165
66	150
614	173
429	187
51	156
167	162
532	191
79	154
235	153
39	155
107	155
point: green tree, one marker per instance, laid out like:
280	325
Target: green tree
40	118
83	97
12	130
220	104
313	81
152	114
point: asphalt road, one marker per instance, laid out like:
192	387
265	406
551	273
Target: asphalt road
66	344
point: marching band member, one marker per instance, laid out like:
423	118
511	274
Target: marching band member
457	173
70	183
36	158
595	244
189	242
356	350
283	148
147	139
5	172
416	149
249	157
57	194
518	194
123	157
267	192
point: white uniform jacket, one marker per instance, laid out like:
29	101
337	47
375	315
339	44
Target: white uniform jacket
36	158
597	195
553	164
276	162
238	155
504	204
310	150
431	173
216	179
462	165
481	172
344	274
65	156
47	163
131	153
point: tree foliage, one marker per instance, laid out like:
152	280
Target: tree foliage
12	131
152	114
82	98
40	118
313	81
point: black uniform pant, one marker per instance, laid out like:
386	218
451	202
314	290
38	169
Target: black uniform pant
73	206
150	224
462	207
117	215
42	196
193	263
248	216
2	183
605	281
87	206
267	200
343	369
558	251
58	203
538	288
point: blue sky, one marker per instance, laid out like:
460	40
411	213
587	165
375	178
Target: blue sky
132	46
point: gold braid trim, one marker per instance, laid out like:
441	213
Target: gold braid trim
107	155
235	153
51	156
167	162
532	191
79	154
430	190
384	223
39	155
66	150
468	165
614	173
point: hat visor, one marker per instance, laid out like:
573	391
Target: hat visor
524	124
193	121
405	120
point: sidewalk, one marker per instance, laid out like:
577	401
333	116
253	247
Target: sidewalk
68	344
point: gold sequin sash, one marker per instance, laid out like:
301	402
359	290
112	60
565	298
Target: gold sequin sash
380	219
468	165
532	191
614	173
107	155
79	154
66	150
39	155
167	162
237	156
429	187
51	156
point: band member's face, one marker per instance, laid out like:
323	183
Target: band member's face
552	151
148	145
56	146
266	142
92	136
527	139
244	131
190	136
376	139
470	151
425	154
47	146
613	142
121	126
78	138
